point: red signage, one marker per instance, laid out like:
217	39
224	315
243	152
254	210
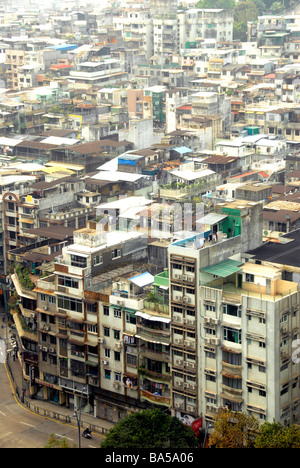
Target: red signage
197	425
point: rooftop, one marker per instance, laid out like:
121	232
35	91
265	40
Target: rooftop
287	253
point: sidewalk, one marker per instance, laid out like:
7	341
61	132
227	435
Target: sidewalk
47	408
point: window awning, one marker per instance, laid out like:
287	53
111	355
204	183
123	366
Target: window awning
154	318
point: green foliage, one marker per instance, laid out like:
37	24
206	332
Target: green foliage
226	4
274	435
152	297
54	442
150	429
277	7
24	278
234	430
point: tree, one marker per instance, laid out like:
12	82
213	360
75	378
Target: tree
243	12
225	4
276	8
234	430
274	435
150	429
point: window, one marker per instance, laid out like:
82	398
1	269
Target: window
106	310
230	334
131	359
98	260
106	331
92	328
249	278
78	261
117	313
117	356
232	310
68	282
69	303
130	318
116	334
116	253
52	299
107	374
107	352
43	297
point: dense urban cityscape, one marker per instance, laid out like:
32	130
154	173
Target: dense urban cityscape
150	217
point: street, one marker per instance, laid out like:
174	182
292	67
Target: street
20	428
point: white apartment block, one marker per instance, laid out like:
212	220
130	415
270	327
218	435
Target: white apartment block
233	323
196	24
136	27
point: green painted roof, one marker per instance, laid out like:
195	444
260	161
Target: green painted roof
223	269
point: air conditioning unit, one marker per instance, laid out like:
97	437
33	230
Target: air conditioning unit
191	408
44	348
116	384
190	365
101	340
179	362
105	363
207	340
214	341
177	404
178	340
179	383
120	302
189	344
52	350
45	307
177	298
46	328
119	345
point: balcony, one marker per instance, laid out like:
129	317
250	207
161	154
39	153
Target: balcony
231	370
157	399
153	334
129	301
24	329
162	356
157	307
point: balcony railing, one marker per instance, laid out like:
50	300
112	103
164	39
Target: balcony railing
158	399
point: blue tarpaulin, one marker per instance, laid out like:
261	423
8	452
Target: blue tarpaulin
183	150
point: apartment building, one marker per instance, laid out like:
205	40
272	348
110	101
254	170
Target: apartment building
82	324
196	24
232	326
137	29
190	261
98	73
36	205
14	59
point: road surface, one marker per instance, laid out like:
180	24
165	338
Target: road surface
20	428
2	351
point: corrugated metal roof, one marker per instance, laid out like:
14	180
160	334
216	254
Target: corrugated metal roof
223	269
